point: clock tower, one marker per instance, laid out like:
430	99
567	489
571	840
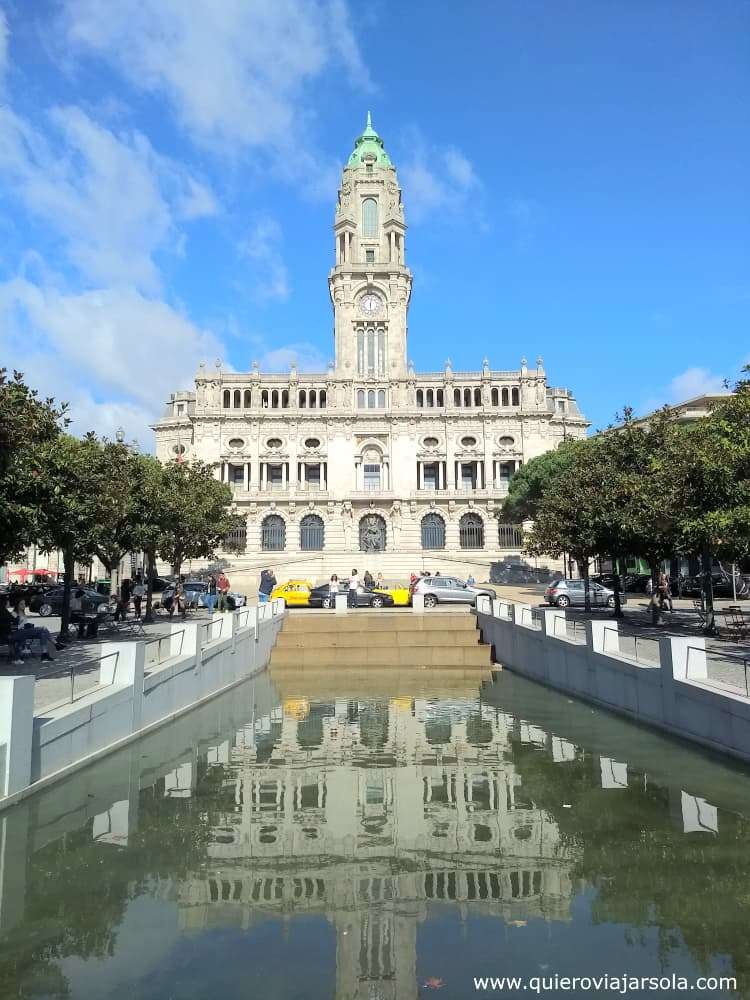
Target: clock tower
370	284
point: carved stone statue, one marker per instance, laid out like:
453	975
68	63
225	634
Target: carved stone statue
372	533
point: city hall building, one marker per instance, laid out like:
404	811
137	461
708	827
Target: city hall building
370	463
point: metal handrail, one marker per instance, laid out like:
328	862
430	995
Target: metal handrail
70	673
246	613
724	656
209	625
159	639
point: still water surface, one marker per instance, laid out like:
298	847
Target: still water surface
346	843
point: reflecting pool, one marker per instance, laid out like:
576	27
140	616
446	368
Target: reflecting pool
362	840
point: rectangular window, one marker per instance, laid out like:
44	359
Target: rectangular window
369	256
361	352
430	476
372	477
371	352
468	477
180	409
312	475
274	475
238	474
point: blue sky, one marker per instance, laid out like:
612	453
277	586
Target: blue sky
575	178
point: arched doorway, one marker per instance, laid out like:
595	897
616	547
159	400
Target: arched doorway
471	532
433	531
273	534
311	533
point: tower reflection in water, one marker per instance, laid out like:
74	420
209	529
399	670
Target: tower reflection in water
357	846
367	812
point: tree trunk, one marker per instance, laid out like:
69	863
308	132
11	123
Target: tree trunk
69	565
583	566
708	592
618	613
150	569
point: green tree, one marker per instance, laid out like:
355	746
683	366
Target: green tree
569	516
196	513
26	421
75	498
529	484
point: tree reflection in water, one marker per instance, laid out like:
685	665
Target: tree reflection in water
380	817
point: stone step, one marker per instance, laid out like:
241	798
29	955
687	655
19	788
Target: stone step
351	639
291	683
434	657
366	621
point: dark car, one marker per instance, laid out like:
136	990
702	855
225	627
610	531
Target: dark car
320	597
51	601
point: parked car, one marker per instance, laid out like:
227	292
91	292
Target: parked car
692	586
565	593
195	591
517	572
448	590
296	593
320	597
51	601
401	594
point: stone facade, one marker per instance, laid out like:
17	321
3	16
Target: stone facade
369	455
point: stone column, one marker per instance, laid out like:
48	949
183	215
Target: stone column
441	475
247	476
283	476
263	476
303	474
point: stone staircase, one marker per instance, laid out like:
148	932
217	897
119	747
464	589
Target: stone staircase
446	643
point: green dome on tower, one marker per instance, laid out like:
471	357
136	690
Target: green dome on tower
369	143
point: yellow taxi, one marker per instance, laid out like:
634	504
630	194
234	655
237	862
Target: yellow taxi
296	593
401	596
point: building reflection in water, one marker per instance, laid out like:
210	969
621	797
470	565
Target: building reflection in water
368	813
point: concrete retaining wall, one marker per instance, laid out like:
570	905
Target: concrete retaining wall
673	694
199	661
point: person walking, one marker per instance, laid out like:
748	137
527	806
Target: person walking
665	591
222	585
353	587
266	585
211	594
367	579
333	590
139	592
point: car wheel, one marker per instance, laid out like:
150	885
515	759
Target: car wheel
611	602
377	602
563	602
327	602
430	600
45	610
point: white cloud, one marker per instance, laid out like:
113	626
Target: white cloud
234	73
694	382
436	180
269	279
115	354
114	201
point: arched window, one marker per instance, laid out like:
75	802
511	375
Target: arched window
514	397
311	533
370	399
440	398
433	531
372	533
456	397
273	534
495	398
420	398
227	399
236	398
506	398
275	399
323	399
477	397
430	397
313	399
302	399
369	217
248	399
360	399
471	532
381	398
236	540
284	399
467	397
264	399
510	536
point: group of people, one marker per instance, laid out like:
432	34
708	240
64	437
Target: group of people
175	597
19	632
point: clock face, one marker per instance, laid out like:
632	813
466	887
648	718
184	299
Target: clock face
370	304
